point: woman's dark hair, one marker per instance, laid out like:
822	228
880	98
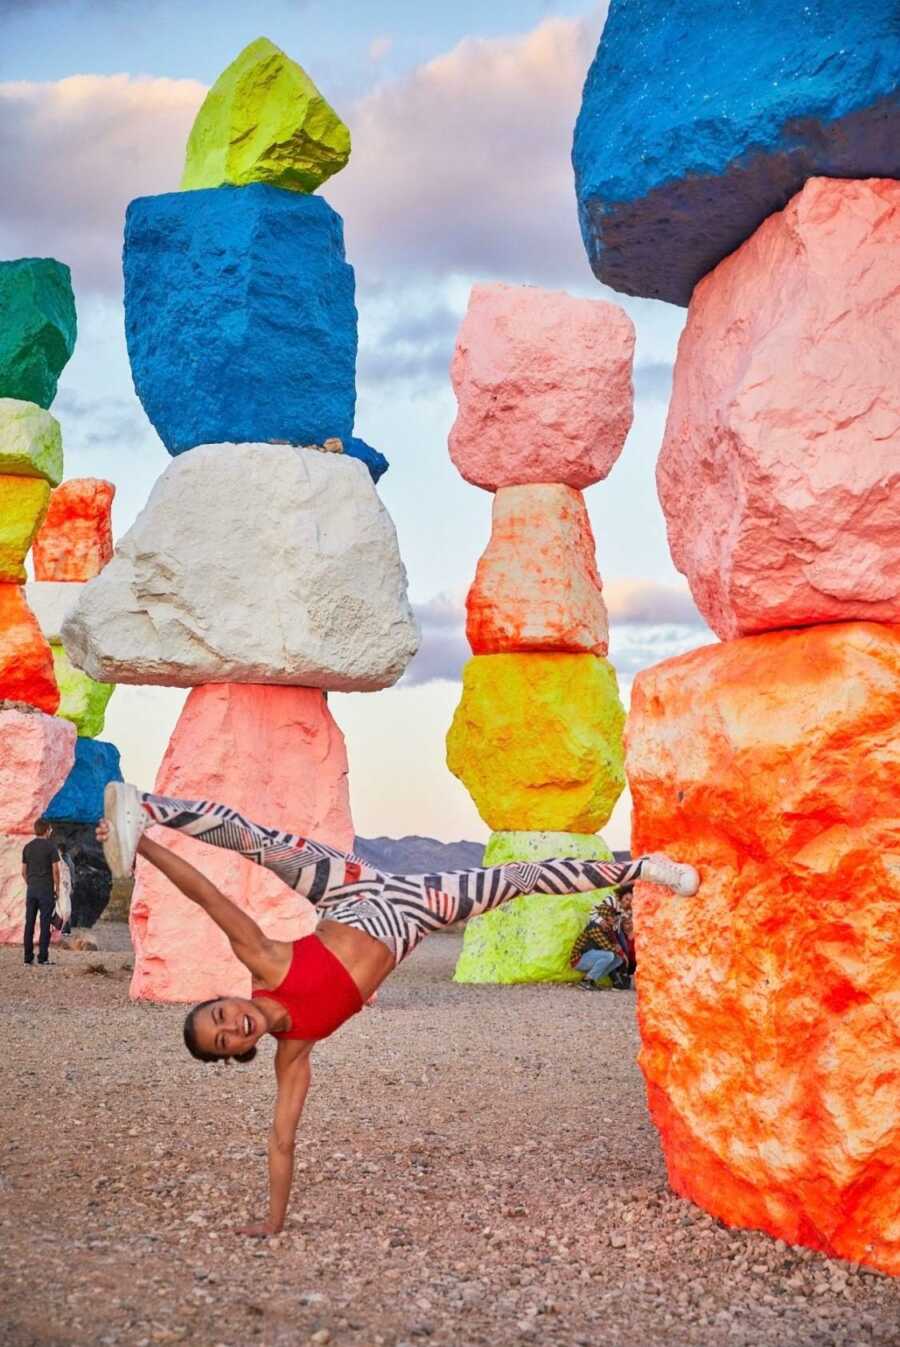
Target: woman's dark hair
193	1047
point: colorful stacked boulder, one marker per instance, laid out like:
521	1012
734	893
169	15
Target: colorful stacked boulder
264	570
767	196
543	383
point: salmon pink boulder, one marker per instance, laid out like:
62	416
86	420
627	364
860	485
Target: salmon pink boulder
276	754
780	471
768	1005
75	540
537	587
543	383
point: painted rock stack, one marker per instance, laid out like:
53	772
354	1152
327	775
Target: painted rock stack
264	569
771	1044
543	383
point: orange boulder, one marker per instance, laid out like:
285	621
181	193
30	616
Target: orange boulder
769	1005
26	661
276	754
75	540
537	587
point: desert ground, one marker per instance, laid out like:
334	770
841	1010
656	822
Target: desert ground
476	1166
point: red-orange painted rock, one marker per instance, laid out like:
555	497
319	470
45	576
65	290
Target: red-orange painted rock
26	661
276	754
75	540
769	1005
537	587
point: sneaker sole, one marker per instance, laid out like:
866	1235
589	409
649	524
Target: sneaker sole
112	812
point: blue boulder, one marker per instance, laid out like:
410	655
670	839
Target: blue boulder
80	797
701	118
240	316
374	461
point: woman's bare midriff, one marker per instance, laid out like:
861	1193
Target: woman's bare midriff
366	959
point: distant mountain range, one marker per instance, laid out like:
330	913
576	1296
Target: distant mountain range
423	855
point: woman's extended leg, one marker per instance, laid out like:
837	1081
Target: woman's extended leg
310	868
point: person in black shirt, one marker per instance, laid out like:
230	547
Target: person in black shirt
40	870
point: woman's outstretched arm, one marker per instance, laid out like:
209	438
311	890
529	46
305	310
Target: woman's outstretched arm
292	1070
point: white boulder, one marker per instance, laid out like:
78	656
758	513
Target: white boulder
52	601
251	563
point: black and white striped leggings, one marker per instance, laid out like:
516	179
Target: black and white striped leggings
398	910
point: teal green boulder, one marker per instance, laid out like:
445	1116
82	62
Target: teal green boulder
529	939
265	121
37	327
81	699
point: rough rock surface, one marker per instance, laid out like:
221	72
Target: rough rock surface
80	797
265	121
536	586
275	754
81	699
26	664
51	602
37	327
530	939
30	441
36	754
537	741
543	383
75	540
780	471
668	186
240	316
23	502
768	1007
310	589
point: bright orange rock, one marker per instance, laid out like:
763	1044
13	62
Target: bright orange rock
537	587
276	754
769	1005
26	661
75	540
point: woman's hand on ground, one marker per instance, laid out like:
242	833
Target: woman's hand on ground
259	1230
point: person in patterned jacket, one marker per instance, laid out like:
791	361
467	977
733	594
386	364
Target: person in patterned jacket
605	948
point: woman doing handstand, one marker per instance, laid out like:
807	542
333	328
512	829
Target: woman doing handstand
304	990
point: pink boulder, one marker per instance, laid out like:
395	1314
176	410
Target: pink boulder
276	754
36	755
780	471
537	587
543	383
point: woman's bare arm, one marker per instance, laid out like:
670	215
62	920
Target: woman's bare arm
292	1069
254	949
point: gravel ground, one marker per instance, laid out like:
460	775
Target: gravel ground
475	1165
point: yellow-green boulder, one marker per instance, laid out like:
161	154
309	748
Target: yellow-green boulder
30	441
81	699
265	121
537	741
23	504
529	939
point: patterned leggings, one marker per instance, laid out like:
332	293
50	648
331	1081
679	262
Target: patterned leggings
398	910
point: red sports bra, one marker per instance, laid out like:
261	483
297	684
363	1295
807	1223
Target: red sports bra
317	991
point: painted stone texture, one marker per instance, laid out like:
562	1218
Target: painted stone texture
80	798
23	503
265	121
75	540
780	471
240	316
537	741
668	186
37	327
36	754
536	586
51	602
543	383
275	754
768	1013
374	460
30	441
26	664
81	699
309	589
530	938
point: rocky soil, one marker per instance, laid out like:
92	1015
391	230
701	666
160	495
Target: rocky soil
476	1166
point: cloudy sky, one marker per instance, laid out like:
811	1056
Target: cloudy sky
462	118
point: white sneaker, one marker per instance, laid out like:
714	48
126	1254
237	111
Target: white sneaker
125	815
661	869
